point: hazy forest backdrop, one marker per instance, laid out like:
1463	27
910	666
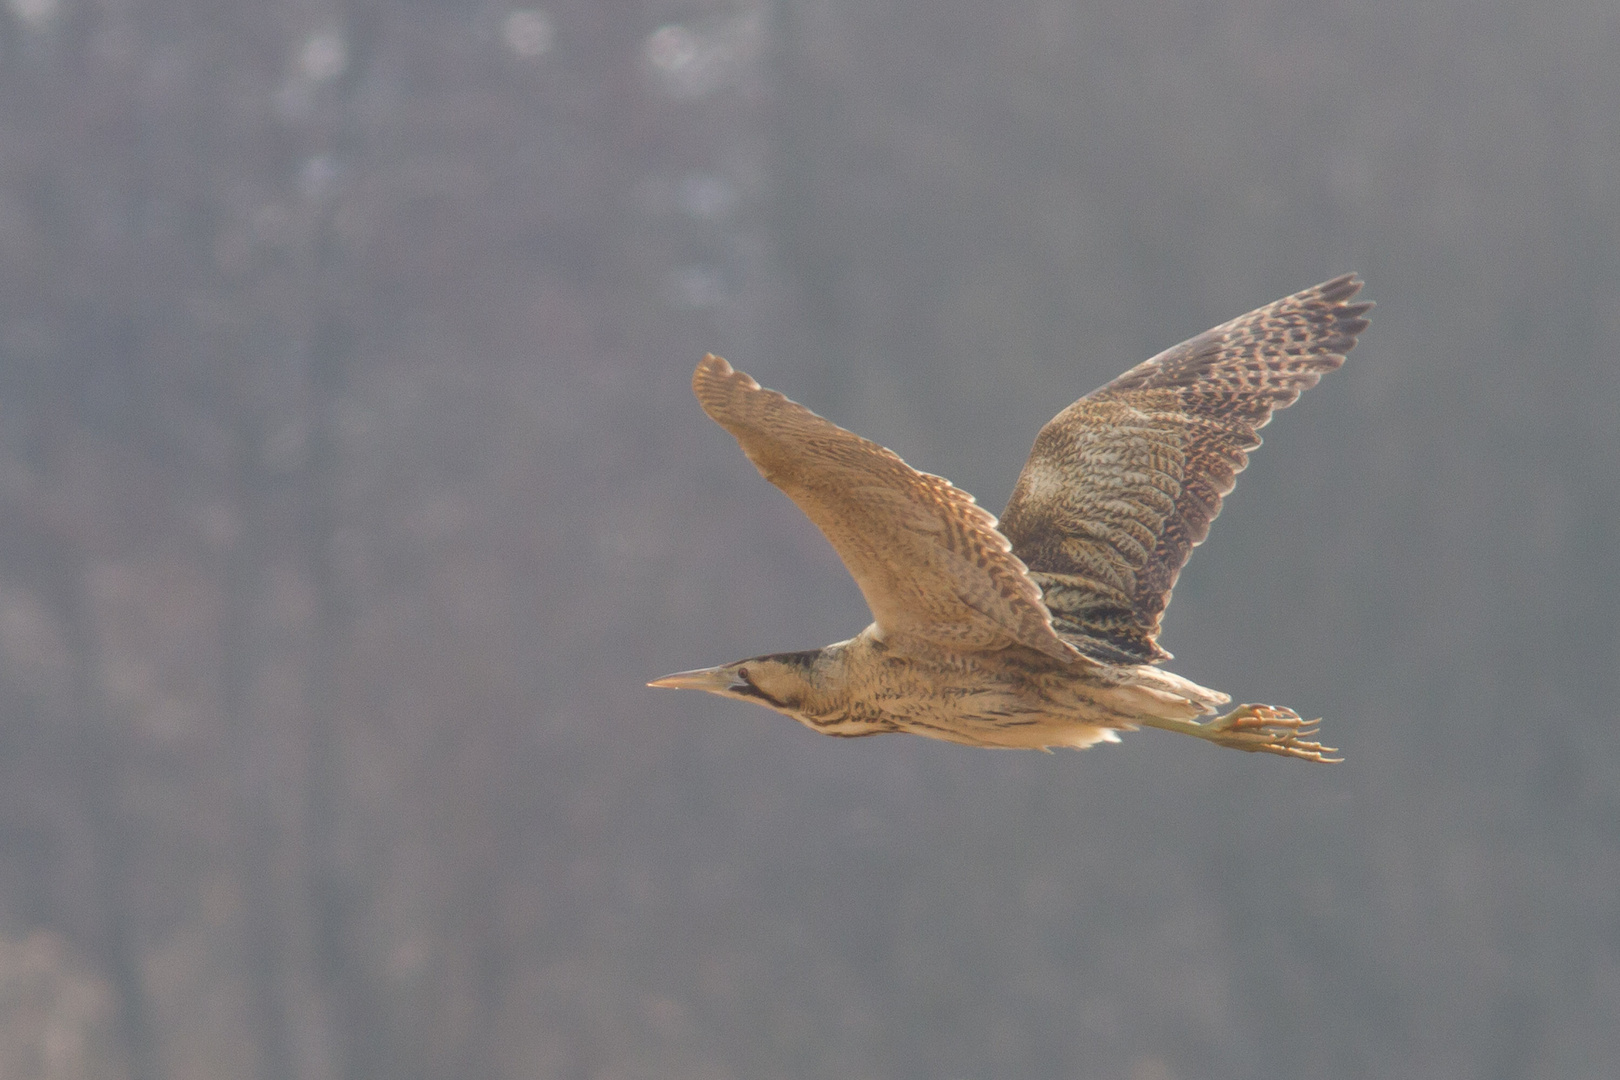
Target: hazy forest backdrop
350	490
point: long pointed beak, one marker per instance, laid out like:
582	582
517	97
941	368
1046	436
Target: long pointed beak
713	679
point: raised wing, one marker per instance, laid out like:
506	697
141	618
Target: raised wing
929	562
1123	484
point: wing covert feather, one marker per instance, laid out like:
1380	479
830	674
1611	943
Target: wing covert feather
1123	484
928	560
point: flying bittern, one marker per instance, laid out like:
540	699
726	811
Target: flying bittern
1040	631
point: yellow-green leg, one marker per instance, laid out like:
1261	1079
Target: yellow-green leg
1256	728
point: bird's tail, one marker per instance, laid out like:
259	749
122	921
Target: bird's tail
1183	698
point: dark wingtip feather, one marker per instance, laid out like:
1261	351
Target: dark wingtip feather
1349	319
1342	287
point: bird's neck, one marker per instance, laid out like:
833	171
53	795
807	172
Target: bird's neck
838	698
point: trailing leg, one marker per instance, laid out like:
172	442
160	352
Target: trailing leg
1257	729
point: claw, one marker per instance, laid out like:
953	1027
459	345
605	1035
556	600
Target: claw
1272	730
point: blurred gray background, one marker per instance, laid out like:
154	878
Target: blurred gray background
351	489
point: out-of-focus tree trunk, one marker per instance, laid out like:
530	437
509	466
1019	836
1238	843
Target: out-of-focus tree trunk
283	620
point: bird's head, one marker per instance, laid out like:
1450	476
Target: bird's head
780	681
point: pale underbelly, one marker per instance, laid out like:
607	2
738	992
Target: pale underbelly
1077	716
1037	735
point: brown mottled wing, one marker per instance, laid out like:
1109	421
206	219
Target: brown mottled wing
929	562
1123	484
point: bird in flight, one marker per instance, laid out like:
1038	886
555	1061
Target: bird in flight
1039	630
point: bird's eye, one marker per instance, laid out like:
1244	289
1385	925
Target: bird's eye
742	673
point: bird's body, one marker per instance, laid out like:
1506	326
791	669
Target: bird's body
1022	699
1040	630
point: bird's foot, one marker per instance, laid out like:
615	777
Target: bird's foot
1269	729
